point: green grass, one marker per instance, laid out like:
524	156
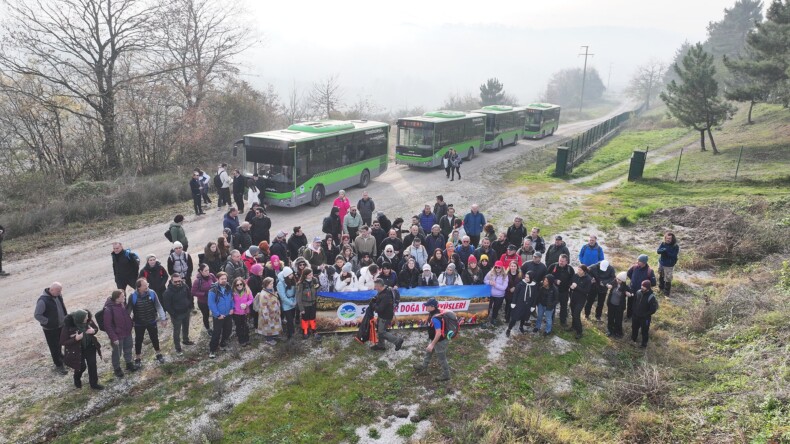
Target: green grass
591	111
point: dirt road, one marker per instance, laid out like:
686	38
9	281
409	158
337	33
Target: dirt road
85	269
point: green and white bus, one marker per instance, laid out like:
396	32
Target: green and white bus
542	120
504	124
424	140
310	160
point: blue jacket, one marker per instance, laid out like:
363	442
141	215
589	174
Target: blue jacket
639	274
427	221
231	222
591	255
432	243
473	223
465	252
287	296
220	300
669	254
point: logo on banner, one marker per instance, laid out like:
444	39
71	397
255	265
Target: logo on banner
347	311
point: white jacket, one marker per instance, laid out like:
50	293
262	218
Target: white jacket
341	285
252	196
443	280
365	281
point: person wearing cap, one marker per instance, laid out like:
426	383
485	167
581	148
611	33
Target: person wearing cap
314	254
615	305
260	226
555	250
450	277
427	278
474	221
352	222
516	232
365	242
79	339
177	231
418	252
522	303
296	241
668	251
591	253
645	306
389	275
384	305
177	301
580	290
527	251
637	273
603	277
155	274
485	264
498	280
563	277
249	256
235	267
537	241
286	290
509	256
547	301
473	274
438	344
366	207
534	266
447	221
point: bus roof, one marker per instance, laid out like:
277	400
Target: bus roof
443	116
542	106
499	109
315	130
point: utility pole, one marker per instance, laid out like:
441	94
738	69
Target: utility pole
584	74
609	79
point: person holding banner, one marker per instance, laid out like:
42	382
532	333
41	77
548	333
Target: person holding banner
384	303
346	280
450	277
497	279
473	275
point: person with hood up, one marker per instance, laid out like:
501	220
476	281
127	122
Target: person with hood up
668	251
273	267
242	301
603	275
155	274
145	307
485	264
557	249
118	326
177	231
306	299
427	278
522	303
409	275
387	257
580	289
615	305
203	282
79	339
473	274
346	280
286	290
438	344
638	273
497	279
547	302
450	277
50	313
267	305
645	306
220	302
177	302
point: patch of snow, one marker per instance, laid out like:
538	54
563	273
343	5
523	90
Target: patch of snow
561	385
388	427
496	345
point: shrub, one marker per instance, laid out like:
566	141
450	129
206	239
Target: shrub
521	424
645	383
646	427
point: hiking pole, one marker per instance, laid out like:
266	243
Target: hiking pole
739	163
678	170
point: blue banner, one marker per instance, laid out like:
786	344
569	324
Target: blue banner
451	291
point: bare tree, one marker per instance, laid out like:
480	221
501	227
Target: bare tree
326	96
461	102
295	108
363	108
76	45
200	39
647	81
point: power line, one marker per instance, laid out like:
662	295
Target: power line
584	74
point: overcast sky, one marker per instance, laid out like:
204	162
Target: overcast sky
407	53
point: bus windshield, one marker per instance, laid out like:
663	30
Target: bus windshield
415	137
273	164
533	118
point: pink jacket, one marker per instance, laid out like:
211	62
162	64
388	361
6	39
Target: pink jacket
245	298
344	206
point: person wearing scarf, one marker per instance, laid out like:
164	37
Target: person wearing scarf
267	304
79	339
522	303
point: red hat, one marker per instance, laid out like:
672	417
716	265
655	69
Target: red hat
646	283
499	264
471	259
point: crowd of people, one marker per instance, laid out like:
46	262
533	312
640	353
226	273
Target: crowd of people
248	280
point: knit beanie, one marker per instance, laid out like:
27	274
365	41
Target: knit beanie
642	258
256	269
646	283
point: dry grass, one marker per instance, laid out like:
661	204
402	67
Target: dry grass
521	424
646	383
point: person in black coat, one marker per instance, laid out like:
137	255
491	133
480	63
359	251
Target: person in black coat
409	275
178	302
547	301
563	275
79	339
384	303
580	288
538	269
238	189
522	303
645	306
195	187
615	305
603	275
296	241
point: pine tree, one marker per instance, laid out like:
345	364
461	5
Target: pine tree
492	92
695	101
747	84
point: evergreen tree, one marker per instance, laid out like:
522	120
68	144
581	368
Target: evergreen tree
492	92
728	36
746	83
695	101
565	86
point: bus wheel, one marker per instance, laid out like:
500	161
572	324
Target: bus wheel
318	194
364	179
471	154
500	145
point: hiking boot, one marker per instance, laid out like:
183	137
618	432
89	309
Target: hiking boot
210	332
97	387
378	347
578	336
546	333
62	370
535	330
608	333
305	336
642	345
160	358
399	344
138	363
130	367
118	372
419	368
180	352
442	378
212	355
188	342
507	332
597	319
78	382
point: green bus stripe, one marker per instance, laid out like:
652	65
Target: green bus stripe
460	146
332	176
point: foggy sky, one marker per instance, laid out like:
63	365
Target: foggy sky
409	53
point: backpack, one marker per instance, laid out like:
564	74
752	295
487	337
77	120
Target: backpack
217	181
450	326
99	318
169	235
395	298
326	226
301	251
